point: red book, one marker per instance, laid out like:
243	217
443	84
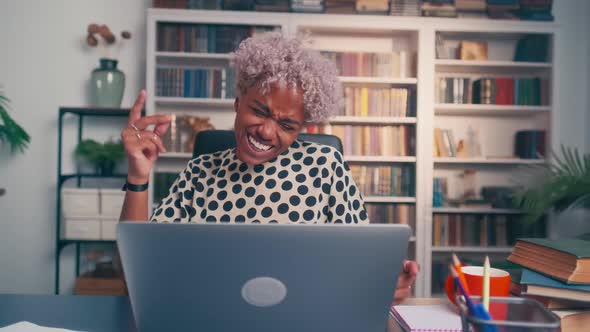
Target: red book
501	93
510	91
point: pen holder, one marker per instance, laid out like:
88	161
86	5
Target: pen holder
509	314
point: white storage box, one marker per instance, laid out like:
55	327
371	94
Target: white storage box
108	228
80	201
111	202
81	228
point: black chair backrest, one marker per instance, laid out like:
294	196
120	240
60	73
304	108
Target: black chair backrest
210	141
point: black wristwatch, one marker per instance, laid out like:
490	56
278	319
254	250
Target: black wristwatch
135	187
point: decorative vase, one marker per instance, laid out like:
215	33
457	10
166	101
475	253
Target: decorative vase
108	84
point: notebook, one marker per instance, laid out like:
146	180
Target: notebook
426	318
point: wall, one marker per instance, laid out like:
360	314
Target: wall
574	111
44	64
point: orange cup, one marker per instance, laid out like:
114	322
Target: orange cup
499	282
499	286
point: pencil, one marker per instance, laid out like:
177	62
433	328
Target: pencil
461	287
486	284
476	310
457	266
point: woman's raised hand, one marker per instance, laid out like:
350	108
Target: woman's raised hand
143	145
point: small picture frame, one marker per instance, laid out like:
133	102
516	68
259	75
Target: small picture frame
473	50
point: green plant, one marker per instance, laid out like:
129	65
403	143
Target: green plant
10	132
103	157
561	185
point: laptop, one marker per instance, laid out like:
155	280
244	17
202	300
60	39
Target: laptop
257	277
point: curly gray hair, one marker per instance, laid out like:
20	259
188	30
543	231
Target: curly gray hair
272	57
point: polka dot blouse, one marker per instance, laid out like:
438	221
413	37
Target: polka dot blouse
307	183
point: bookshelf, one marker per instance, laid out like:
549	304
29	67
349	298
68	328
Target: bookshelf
417	37
501	98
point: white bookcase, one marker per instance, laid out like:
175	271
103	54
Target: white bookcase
357	33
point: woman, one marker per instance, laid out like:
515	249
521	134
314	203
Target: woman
270	177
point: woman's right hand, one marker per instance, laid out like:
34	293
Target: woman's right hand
141	144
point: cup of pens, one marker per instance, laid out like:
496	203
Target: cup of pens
482	295
473	280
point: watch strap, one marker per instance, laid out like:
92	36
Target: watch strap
135	187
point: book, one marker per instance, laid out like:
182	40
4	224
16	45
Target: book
573	320
548	302
536	284
441	317
566	259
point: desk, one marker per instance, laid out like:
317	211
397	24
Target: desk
82	313
95	313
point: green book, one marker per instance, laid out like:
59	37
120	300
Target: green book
566	259
575	247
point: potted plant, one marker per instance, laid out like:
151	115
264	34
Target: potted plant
11	133
104	157
560	185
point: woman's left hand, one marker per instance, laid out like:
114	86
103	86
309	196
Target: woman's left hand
405	280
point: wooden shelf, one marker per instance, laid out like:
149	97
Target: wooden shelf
490	161
489	110
467	65
492	63
380	159
201	102
473	249
452	210
378	80
188	55
389	199
382	120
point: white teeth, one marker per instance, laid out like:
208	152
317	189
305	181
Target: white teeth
257	144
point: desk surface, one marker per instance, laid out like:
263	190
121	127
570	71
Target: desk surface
82	313
94	313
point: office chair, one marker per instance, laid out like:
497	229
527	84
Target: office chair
209	141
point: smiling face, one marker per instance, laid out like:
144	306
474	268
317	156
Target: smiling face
267	124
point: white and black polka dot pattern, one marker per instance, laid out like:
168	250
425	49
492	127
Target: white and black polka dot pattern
308	183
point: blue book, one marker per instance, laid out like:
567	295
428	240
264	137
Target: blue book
534	283
187	83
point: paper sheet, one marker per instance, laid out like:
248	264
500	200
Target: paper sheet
429	317
30	327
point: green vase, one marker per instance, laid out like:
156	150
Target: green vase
107	84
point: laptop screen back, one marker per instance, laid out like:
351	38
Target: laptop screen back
250	277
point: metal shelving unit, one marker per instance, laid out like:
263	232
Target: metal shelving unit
81	113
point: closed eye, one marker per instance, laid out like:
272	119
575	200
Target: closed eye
286	126
259	112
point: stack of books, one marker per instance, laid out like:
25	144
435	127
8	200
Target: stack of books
557	274
271	5
536	10
405	7
307	6
533	91
372	6
439	8
390	64
340	6
471	8
503	9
